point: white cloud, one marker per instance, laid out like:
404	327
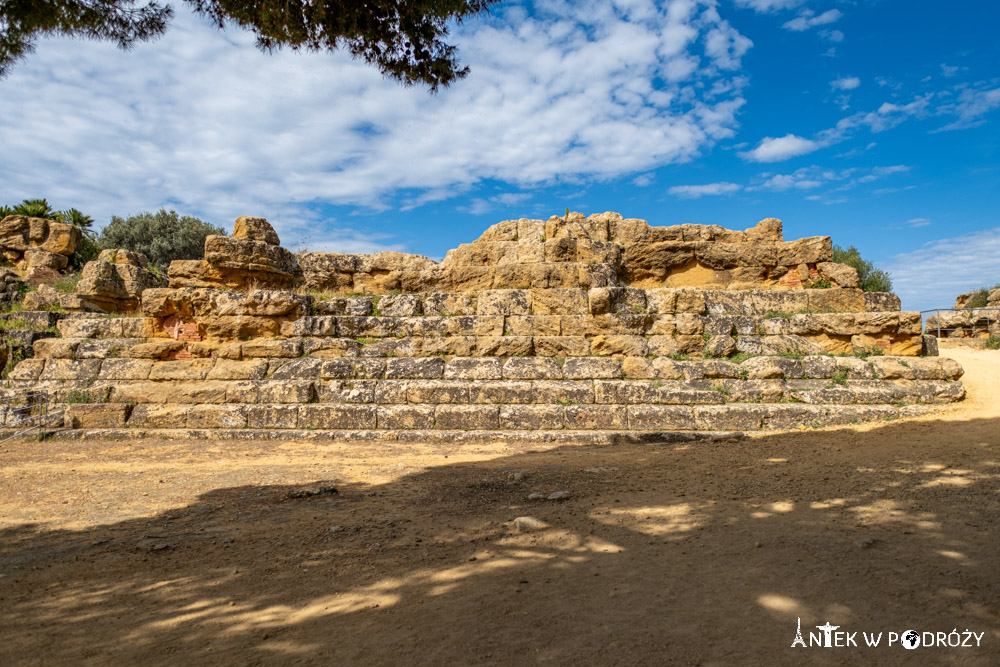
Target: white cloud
696	191
949	70
774	149
918	222
807	19
767	6
481	206
203	122
957	265
834	36
809	178
970	108
845	83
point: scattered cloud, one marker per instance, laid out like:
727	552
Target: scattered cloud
481	206
643	180
201	121
918	222
768	6
958	265
808	19
809	178
845	83
970	108
775	149
697	191
949	70
834	36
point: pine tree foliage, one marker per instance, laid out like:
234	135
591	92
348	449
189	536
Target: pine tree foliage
404	39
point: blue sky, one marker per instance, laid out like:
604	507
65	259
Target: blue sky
872	121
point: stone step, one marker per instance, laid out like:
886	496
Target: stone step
327	417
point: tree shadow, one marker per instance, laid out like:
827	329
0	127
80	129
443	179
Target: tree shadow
678	554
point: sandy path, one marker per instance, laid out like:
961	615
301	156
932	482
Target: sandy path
171	553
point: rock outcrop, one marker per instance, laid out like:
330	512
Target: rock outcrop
38	246
11	288
250	258
112	283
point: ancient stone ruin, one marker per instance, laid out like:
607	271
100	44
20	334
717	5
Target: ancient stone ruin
967	321
580	328
40	247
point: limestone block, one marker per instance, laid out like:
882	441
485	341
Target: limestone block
635	324
400	305
157	349
159	416
596	417
194	369
56	348
881	301
97	415
170	392
438	391
730	417
564	392
491	325
646	392
266	348
507	392
637	368
719	346
623	346
504	302
836	300
272	416
333	417
840	275
559	301
125	369
504	346
405	416
393	391
561	346
28	370
426	368
586	368
346	391
285	391
467	417
217	416
449	304
45	260
453	346
473	368
358	306
531	417
348	368
305	368
660	417
929	346
532	325
255	229
532	368
324	325
70	369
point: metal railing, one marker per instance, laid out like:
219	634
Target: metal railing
992	318
27	412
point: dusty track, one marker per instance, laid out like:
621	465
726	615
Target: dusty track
194	553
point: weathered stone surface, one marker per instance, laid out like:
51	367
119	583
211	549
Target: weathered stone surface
660	417
532	368
159	416
260	347
238	370
255	229
272	416
217	416
531	417
719	346
337	416
438	391
467	417
169	392
473	368
194	369
99	415
583	368
428	368
114	282
21	235
504	302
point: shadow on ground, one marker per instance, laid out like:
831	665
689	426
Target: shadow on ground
678	554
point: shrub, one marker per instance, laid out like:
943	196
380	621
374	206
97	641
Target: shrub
872	279
993	343
162	236
981	297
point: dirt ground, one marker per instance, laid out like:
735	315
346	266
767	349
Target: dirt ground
202	552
